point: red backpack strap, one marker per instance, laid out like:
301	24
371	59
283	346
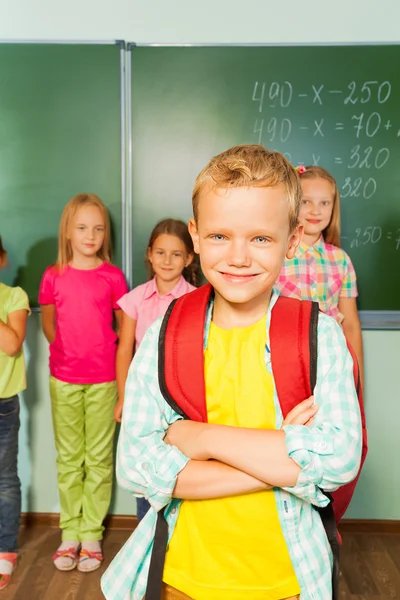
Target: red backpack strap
293	342
181	354
293	339
181	380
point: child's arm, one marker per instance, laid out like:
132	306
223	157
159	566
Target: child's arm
48	314
125	348
12	334
326	453
202	480
146	464
220	481
352	329
118	321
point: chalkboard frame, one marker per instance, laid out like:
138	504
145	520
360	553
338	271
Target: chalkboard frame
370	319
123	128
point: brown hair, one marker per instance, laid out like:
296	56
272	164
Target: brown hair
3	252
70	209
332	232
251	165
180	230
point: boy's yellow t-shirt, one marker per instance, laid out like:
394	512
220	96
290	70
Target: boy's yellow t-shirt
12	368
233	548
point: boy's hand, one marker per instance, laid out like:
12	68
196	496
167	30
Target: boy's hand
302	414
189	438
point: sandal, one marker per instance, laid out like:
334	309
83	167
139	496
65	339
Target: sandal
8	562
87	554
71	553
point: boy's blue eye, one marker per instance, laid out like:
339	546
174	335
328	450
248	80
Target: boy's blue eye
218	236
261	239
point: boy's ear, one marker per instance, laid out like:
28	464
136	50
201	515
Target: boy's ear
195	235
294	241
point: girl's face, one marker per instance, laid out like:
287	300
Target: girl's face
86	233
316	207
168	257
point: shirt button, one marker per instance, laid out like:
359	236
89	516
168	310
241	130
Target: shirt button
322	445
173	511
145	466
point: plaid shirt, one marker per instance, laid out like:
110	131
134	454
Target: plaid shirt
321	272
328	453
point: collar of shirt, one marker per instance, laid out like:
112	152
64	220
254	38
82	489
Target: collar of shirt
274	298
319	246
176	292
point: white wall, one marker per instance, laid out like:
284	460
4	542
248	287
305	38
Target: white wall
230	21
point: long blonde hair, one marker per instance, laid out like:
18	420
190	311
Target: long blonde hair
332	232
64	245
251	165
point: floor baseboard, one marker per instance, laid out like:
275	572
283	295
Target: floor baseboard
370	526
52	520
129	522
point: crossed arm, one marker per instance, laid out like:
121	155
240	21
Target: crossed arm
264	463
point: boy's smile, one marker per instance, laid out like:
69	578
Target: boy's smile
242	236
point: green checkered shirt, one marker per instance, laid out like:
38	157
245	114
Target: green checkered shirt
328	453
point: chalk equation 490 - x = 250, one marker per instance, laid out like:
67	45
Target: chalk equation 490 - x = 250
374	234
282	93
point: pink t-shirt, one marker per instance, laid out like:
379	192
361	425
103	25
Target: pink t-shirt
145	304
85	343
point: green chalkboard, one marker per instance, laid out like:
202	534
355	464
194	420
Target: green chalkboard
60	134
334	106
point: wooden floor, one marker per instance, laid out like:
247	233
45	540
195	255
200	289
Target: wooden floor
370	568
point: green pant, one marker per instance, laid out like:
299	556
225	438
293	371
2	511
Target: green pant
84	432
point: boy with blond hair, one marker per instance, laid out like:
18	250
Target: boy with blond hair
238	492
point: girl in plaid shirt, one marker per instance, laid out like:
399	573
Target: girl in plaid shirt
321	270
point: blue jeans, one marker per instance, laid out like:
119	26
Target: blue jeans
10	486
142	507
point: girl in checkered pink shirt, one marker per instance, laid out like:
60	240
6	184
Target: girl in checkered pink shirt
321	270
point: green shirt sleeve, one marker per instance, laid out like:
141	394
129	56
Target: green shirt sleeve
18	300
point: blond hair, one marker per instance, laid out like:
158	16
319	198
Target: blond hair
331	233
64	256
251	165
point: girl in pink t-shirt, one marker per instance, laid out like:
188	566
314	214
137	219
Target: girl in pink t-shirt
172	269
78	298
